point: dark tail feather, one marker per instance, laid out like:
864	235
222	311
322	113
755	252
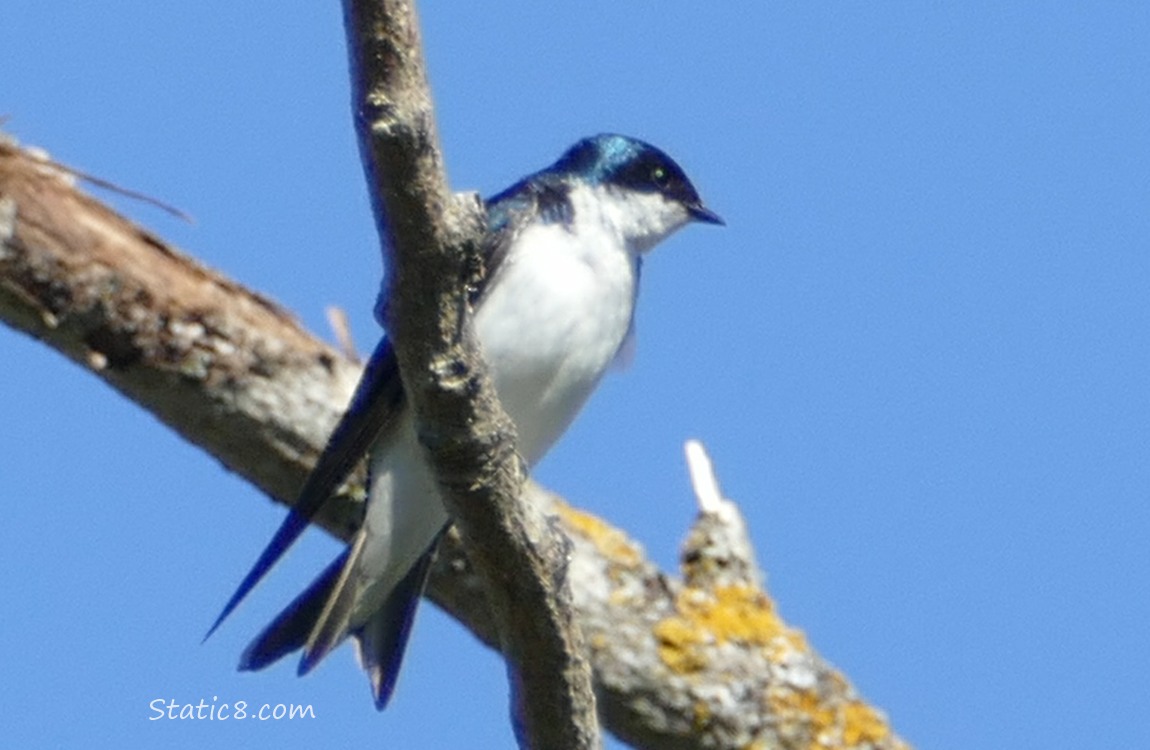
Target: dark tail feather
383	639
377	399
290	630
285	535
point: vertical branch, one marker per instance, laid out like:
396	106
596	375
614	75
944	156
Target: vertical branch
427	235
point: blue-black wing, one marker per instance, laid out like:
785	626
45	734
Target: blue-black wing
379	395
378	399
537	198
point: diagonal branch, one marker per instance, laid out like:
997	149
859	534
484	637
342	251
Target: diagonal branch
700	662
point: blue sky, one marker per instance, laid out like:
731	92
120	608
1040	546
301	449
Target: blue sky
918	353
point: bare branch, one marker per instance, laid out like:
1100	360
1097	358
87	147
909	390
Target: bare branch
704	662
471	442
341	329
205	355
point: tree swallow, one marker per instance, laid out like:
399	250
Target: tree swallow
556	305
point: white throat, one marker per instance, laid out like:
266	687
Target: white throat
640	220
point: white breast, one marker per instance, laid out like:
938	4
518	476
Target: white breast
558	313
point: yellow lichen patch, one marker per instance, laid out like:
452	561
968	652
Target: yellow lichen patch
861	723
802	707
742	614
733	613
679	643
820	718
611	543
847	724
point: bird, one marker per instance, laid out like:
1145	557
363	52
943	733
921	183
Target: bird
562	251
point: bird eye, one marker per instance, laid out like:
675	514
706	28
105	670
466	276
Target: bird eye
659	177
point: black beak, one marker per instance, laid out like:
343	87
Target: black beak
699	212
